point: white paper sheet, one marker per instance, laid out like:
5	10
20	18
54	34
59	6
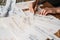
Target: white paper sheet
27	26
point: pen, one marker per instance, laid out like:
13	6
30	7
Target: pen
35	6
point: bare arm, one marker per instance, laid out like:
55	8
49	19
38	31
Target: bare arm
57	10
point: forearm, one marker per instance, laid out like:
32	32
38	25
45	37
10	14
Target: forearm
57	10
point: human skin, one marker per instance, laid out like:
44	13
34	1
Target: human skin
46	10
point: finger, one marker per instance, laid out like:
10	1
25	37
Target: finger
48	12
41	12
31	8
44	12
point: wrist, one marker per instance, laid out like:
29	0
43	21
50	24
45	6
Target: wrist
54	10
57	10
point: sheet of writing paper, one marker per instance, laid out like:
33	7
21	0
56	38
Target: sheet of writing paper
29	27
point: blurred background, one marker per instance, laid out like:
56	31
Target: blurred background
22	0
3	2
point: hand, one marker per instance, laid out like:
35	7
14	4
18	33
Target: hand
46	11
31	8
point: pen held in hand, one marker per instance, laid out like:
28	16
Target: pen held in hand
35	6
